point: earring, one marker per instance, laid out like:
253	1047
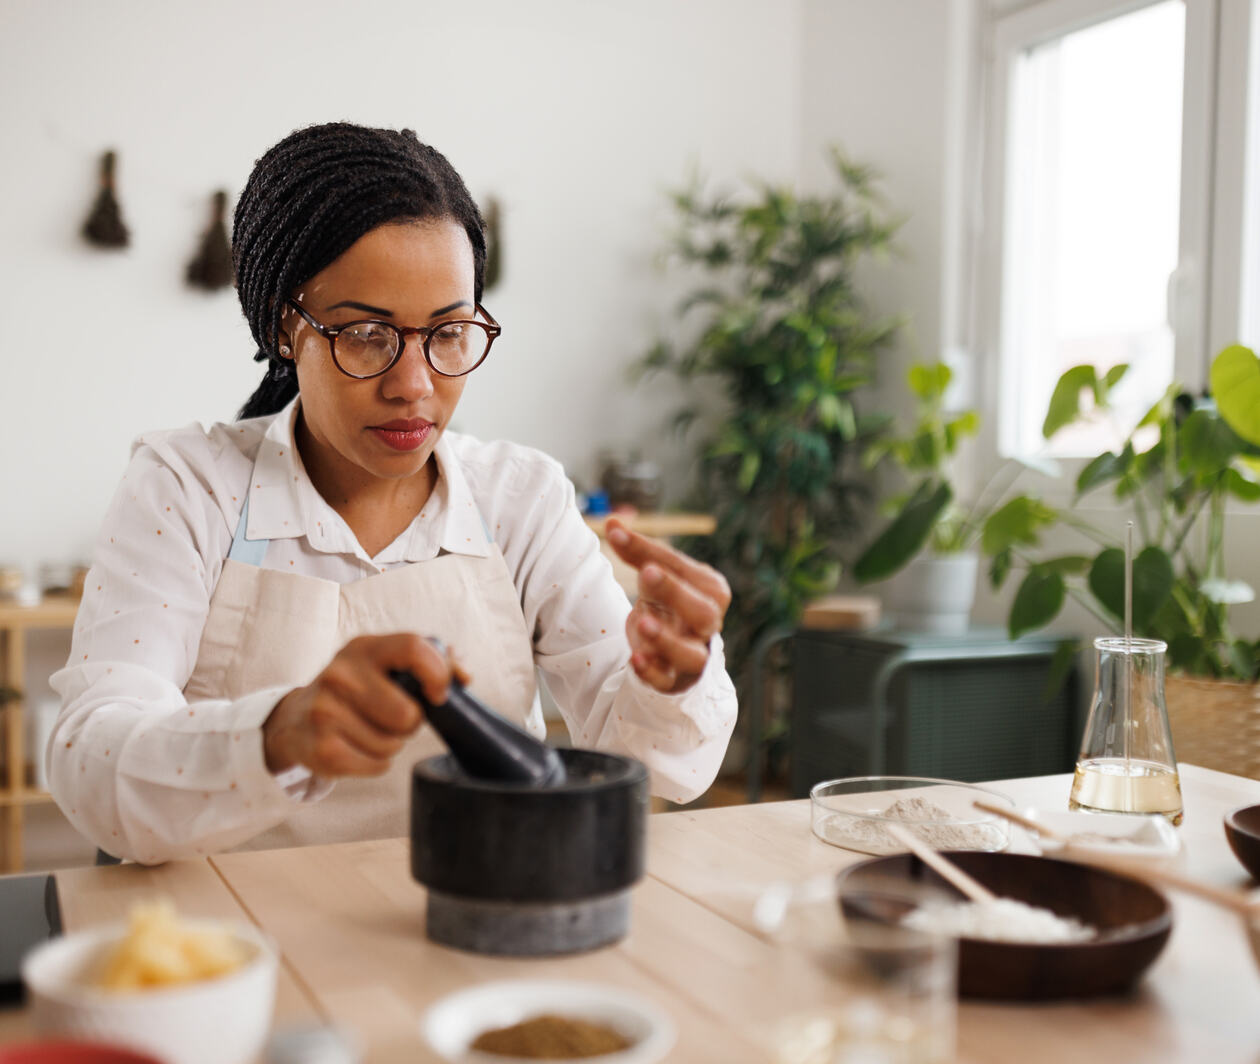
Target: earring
284	350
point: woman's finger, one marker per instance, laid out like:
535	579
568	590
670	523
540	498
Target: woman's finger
406	650
652	671
357	682
333	755
638	550
458	672
330	719
685	656
692	607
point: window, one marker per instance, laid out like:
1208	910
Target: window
1094	172
1108	167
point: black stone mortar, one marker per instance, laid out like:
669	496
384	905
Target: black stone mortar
529	871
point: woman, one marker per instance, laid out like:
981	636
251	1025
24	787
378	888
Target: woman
252	585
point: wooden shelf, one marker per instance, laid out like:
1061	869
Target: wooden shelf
24	797
661	525
53	611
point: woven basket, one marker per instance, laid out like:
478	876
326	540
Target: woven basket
1215	723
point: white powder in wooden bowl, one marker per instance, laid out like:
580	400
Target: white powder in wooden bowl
1000	920
929	821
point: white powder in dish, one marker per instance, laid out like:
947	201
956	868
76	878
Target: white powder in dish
925	818
1000	920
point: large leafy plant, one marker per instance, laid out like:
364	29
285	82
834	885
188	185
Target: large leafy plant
775	325
1173	476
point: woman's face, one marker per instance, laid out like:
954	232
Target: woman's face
409	274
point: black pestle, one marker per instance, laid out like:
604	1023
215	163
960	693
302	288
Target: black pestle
483	743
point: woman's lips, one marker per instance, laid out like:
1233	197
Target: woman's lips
402	434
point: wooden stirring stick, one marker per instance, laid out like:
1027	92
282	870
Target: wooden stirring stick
940	864
1228	899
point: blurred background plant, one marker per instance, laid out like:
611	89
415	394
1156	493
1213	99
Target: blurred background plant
927	514
775	324
1173	476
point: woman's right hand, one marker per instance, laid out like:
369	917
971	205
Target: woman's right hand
352	718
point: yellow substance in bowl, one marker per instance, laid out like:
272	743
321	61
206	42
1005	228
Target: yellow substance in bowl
158	950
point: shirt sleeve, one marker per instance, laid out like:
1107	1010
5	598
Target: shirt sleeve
138	769
577	613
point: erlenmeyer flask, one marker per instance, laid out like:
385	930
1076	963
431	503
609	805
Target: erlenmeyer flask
1126	763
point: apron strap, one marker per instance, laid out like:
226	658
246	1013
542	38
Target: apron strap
246	551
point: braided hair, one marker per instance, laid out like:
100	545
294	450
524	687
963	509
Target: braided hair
313	195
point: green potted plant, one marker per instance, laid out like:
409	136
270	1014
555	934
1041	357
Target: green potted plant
775	327
1173	477
927	546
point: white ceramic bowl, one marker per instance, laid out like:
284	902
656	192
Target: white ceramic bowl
853	813
1119	834
215	1021
452	1024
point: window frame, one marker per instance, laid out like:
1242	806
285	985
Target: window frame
1205	295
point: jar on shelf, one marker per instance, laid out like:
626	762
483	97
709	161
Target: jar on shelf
635	482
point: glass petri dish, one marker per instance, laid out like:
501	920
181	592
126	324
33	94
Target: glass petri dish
854	814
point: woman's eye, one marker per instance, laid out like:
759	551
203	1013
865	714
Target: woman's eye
368	332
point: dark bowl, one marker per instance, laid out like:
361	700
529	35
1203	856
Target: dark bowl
70	1053
1133	920
1242	829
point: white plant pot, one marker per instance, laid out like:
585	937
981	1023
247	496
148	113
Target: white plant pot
933	593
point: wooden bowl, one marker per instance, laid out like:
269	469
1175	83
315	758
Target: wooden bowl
1133	920
1242	829
70	1053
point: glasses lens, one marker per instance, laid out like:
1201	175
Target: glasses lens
365	348
457	346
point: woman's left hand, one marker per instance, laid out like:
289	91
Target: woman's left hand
680	607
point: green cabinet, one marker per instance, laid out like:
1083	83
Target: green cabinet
970	707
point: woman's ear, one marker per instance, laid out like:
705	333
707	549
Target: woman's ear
284	335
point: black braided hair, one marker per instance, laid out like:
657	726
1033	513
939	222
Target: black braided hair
313	195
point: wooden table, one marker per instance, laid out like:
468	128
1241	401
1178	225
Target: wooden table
16	791
349	921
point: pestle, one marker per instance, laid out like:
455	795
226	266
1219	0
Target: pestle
484	744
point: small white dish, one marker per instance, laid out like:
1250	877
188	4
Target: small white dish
452	1024
1118	834
223	1020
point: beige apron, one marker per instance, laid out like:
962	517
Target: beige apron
267	627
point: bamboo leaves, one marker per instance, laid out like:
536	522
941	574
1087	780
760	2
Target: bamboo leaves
774	324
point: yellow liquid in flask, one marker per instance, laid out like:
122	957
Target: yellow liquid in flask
1114	785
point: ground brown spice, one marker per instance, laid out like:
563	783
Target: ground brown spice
551	1038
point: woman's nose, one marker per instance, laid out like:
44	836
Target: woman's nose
410	378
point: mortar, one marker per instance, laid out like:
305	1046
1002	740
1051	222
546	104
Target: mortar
529	871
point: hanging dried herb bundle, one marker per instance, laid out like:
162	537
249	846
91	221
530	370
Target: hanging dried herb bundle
494	253
211	267
104	226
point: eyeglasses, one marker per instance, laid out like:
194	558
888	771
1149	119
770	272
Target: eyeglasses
363	349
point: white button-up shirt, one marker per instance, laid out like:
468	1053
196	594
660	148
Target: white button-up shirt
125	723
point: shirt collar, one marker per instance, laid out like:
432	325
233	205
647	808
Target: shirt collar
283	503
277	507
450	520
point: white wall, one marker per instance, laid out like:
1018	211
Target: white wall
876	80
578	115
